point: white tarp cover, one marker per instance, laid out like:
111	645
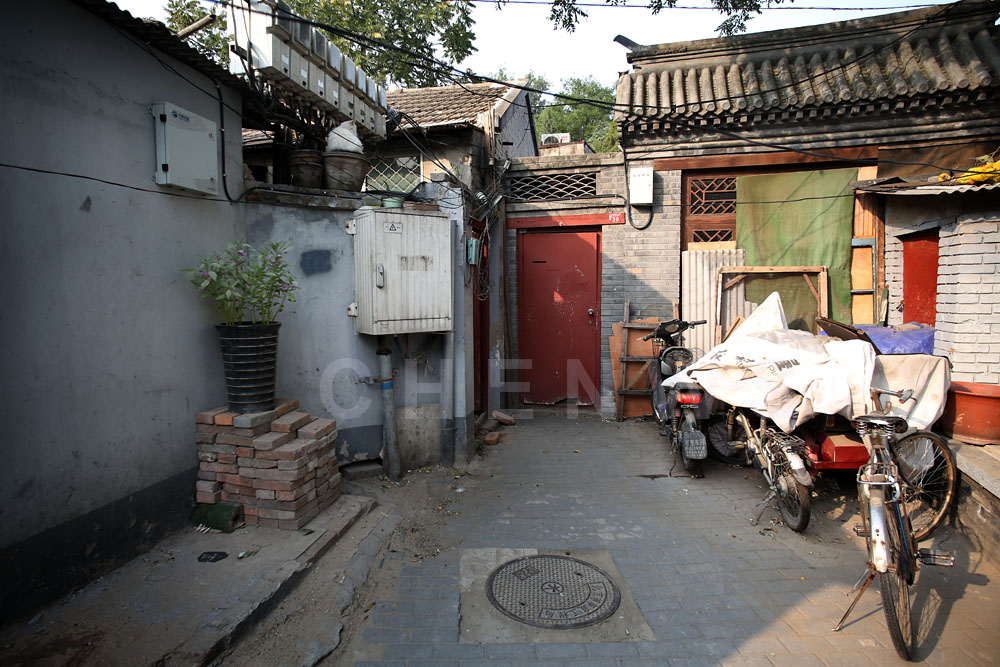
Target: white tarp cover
789	375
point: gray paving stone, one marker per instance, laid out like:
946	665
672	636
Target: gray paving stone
561	651
407	652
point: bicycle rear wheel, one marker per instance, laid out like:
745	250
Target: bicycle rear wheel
930	476
894	585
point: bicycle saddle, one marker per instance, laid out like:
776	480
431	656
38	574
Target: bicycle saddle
897	424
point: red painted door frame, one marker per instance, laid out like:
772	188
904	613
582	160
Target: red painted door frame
920	273
553	342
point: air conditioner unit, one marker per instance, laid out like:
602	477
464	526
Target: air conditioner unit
557	138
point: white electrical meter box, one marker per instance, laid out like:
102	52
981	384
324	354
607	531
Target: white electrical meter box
318	54
263	36
403	271
302	39
347	72
333	92
381	98
187	149
315	88
347	102
640	186
380	125
333	60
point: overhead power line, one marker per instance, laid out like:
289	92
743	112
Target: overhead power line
708	7
460	77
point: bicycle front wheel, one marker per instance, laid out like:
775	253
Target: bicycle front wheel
894	585
930	476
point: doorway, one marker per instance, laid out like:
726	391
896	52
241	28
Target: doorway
920	273
559	321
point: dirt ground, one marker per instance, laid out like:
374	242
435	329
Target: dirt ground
307	625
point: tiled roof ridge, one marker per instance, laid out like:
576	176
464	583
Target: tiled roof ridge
460	104
913	66
957	16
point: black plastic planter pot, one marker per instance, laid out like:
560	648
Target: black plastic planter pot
250	357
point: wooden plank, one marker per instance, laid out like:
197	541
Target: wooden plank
837	155
862	309
623	365
645	326
861	269
732	327
643	374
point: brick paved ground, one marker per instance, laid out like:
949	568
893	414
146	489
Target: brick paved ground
714	589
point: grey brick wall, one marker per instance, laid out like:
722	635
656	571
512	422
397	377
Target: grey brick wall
642	266
968	286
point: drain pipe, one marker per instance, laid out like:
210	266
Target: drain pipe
448	401
391	461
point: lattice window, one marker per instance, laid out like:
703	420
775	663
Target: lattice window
711	235
399	174
552	187
713	196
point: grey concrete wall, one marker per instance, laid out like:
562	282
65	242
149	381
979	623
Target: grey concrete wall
325	364
968	284
106	350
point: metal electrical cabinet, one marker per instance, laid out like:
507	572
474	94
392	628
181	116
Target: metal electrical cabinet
402	271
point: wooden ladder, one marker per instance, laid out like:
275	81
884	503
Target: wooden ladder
625	358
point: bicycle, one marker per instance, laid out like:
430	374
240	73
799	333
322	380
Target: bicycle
886	492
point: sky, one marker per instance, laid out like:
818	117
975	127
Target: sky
520	38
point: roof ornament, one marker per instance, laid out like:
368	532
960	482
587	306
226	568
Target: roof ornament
627	43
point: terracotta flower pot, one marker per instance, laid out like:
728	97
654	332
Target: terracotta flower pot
972	413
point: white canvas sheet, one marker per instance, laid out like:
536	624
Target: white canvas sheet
788	375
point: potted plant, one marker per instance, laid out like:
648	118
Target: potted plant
250	286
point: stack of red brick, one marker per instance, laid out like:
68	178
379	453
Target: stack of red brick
280	465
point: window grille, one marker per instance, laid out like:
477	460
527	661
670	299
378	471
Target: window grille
711	235
399	174
713	196
552	187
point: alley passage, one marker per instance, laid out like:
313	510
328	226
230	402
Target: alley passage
699	584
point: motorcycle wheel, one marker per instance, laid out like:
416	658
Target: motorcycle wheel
794	503
718	443
691	466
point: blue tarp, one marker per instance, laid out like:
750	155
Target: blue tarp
890	340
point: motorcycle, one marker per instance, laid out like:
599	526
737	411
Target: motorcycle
681	409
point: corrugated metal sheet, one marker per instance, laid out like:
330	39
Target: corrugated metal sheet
411	255
942	189
698	269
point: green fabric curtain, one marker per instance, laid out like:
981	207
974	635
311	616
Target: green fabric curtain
798	219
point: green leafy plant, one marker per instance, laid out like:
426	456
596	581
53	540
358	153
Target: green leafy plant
249	285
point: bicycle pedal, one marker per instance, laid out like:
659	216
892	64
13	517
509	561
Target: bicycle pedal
861	531
936	557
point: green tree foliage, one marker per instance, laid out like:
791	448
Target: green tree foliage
211	40
584	122
440	29
566	15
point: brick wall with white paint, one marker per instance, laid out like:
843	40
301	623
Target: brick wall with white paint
968	285
642	266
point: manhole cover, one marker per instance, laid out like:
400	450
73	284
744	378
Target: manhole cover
553	592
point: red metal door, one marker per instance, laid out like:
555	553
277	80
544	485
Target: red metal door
920	272
559	322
